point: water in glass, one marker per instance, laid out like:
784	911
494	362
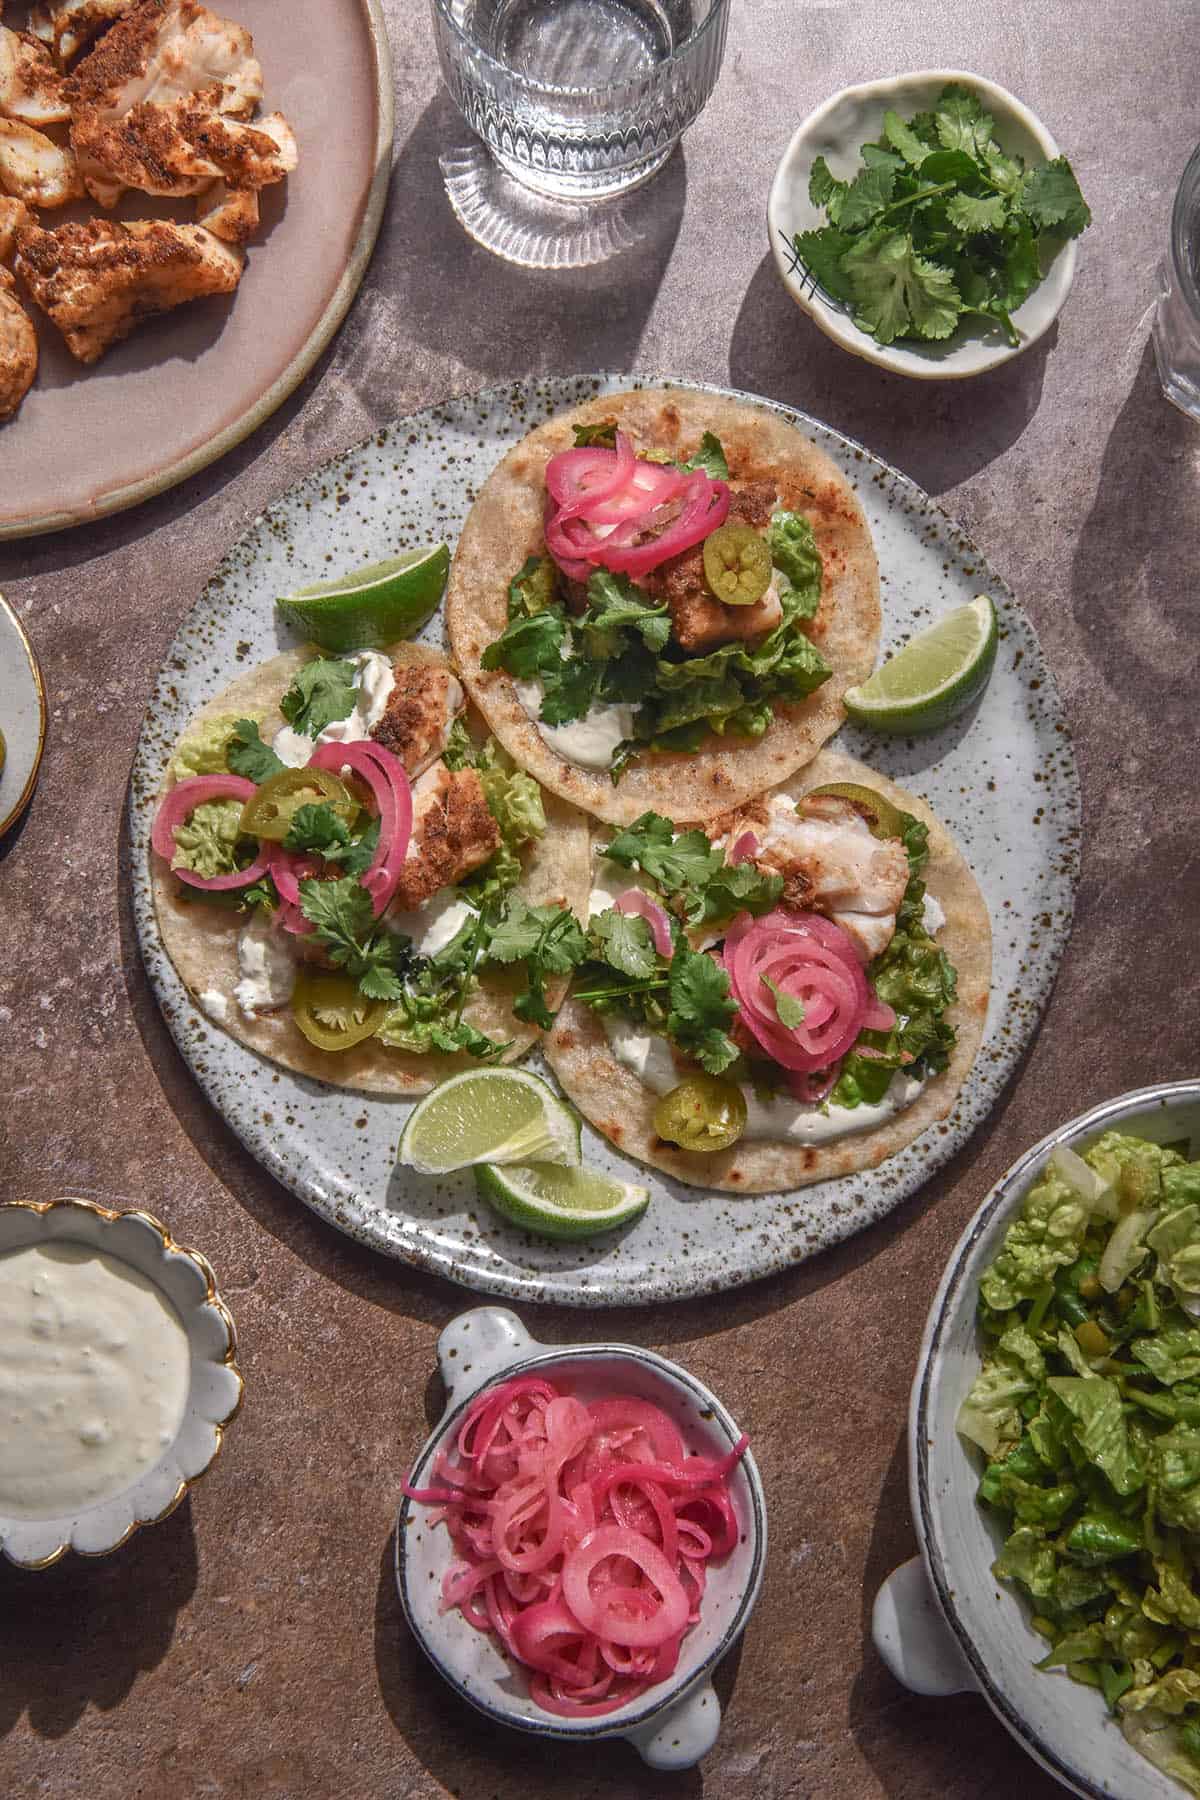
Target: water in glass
580	99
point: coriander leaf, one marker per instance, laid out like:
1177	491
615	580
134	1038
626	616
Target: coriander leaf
744	888
322	692
247	754
789	1008
898	293
711	458
701	1010
650	844
1004	172
949	165
529	646
1050	195
824	190
876	157
317	828
1022	270
625	942
568	690
551	933
615	602
820	254
344	918
912	148
970	214
533	588
868	194
359	857
961	121
602	433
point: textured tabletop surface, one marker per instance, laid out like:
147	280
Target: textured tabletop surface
251	1646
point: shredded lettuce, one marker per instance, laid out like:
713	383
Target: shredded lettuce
1087	1407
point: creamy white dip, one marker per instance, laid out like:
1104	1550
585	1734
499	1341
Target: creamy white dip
374	679
215	1004
932	916
267	965
781	1118
94	1369
588	742
433	925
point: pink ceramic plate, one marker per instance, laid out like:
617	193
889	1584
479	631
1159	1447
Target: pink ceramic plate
188	387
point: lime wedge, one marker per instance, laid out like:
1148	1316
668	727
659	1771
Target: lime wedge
489	1116
370	607
934	678
560	1203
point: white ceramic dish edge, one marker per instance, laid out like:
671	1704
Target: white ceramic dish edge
789	210
214	1386
917	1622
670	1730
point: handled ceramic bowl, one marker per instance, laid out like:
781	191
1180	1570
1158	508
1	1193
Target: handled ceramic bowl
676	1723
942	1622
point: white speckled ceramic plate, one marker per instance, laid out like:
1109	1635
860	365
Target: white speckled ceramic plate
1003	779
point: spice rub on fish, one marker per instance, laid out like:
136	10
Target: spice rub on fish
453	832
701	621
422	706
830	863
100	280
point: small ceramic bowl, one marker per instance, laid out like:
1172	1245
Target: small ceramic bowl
675	1724
942	1622
215	1384
835	131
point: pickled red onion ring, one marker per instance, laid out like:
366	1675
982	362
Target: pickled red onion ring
387	779
637	901
581	1537
744	846
180	804
813	960
583	478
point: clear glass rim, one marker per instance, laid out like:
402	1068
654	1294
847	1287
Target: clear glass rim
1184	213
717	10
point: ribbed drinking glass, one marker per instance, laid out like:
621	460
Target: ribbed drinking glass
1177	321
580	99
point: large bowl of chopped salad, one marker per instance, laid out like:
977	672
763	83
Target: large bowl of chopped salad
1055	1456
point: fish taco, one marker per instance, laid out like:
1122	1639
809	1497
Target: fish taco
789	995
659	599
353	879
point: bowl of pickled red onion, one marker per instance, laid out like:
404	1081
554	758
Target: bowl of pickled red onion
581	1540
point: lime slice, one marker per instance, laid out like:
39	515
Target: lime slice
489	1116
560	1203
934	678
370	607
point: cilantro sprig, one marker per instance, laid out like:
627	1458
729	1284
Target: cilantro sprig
321	693
939	226
692	873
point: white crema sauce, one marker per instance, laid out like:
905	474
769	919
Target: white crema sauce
94	1370
374	679
588	742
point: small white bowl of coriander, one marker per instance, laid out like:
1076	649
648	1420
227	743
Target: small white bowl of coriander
927	223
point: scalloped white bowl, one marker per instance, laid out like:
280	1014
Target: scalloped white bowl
214	1385
835	131
676	1723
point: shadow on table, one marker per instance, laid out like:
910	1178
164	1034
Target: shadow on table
468	1753
938	432
80	1633
432	285
955	1740
1137	609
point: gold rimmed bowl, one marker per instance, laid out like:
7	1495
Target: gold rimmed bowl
185	1282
